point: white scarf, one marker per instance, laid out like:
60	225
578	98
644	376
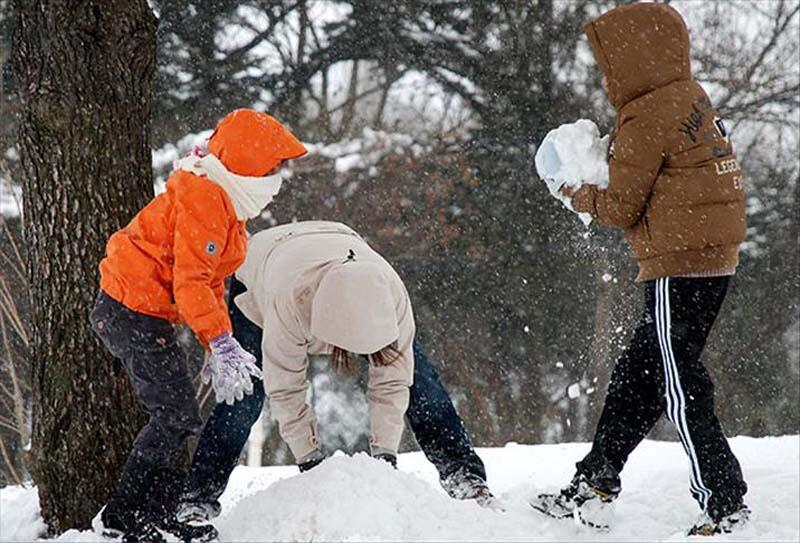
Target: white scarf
249	194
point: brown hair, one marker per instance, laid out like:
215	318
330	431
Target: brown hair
342	360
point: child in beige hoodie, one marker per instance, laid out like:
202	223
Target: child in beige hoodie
318	288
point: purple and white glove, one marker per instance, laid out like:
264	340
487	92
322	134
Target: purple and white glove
230	369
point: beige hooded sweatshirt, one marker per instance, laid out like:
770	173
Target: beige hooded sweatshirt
315	284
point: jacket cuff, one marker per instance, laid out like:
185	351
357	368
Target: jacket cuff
375	450
583	200
388	441
303	447
314	456
214	329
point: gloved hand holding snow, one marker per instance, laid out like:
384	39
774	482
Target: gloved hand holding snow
230	370
573	155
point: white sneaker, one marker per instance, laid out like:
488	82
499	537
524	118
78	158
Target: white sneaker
196	512
727	524
484	497
472	487
586	504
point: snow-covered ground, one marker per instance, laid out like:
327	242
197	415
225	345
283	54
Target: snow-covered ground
359	499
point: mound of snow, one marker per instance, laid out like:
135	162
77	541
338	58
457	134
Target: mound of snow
350	499
19	514
573	155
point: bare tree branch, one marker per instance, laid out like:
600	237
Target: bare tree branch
779	28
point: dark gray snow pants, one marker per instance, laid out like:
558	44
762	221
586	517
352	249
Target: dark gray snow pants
156	365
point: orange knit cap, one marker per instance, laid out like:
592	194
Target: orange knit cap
252	143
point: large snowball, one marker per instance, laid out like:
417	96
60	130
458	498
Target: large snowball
573	155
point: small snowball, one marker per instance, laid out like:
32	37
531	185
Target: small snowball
574	390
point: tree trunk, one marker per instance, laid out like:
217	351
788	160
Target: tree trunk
85	71
349	114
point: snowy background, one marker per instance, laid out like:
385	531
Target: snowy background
423	119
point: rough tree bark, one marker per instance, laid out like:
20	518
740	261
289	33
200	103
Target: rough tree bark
85	71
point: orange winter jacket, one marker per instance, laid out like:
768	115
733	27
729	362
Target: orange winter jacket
172	259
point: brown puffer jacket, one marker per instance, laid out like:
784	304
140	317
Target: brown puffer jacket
674	183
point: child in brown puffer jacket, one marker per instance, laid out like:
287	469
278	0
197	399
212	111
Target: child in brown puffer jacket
675	188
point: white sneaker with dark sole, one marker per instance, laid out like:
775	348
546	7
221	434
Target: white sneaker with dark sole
587	505
707	526
196	512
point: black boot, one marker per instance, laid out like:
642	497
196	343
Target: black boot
130	528
127	514
189	533
164	498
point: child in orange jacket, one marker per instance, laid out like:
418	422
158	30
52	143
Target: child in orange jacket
166	267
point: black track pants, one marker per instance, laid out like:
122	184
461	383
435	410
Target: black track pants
661	372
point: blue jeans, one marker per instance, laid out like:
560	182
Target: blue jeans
431	416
